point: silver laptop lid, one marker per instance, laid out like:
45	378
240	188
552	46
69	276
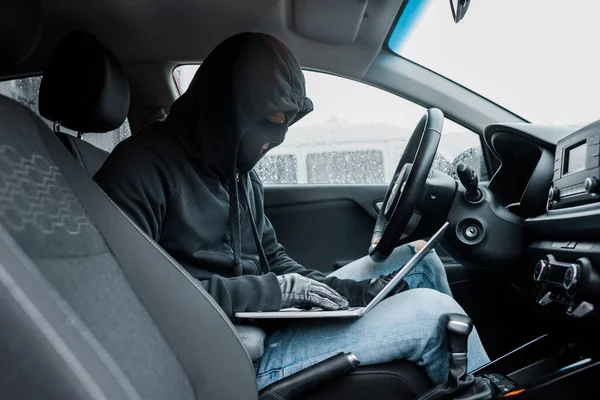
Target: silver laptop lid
407	268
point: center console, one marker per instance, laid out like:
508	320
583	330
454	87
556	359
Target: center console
552	366
565	273
549	367
576	170
567	270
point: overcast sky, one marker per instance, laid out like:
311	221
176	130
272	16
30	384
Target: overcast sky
538	58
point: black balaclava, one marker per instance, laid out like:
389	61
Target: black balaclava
250	149
242	81
245	79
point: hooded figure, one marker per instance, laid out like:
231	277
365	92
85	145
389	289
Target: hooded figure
188	181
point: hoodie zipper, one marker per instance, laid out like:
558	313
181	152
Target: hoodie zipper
243	211
252	262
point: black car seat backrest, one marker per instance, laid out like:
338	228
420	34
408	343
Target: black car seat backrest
84	89
91	308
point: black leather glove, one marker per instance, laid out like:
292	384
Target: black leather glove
360	293
302	292
374	286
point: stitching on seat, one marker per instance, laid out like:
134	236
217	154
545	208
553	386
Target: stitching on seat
71	316
181	270
275	394
392	373
432	393
257	340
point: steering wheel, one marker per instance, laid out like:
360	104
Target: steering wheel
408	185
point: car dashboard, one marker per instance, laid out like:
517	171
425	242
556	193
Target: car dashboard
549	177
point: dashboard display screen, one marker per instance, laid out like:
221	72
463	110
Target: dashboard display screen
575	158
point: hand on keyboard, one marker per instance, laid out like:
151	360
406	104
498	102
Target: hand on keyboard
299	291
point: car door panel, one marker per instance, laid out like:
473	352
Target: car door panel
322	227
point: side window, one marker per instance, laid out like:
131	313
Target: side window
26	90
355	135
340	166
281	168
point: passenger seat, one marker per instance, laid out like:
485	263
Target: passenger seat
84	89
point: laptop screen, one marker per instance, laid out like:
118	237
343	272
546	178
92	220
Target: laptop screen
408	266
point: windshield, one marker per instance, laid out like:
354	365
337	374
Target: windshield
537	58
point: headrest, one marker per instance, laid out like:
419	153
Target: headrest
20	30
84	87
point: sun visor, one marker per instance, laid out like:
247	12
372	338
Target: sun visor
328	21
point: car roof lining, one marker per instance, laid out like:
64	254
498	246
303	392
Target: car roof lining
151	31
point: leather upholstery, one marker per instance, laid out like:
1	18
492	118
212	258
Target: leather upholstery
296	384
253	339
84	87
398	380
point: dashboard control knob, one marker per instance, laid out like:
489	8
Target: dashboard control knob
541	271
590	185
572	278
553	194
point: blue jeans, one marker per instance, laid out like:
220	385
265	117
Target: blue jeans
403	326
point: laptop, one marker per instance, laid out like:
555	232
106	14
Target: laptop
352	312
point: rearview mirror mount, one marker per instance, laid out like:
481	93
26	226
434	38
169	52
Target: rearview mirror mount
459	9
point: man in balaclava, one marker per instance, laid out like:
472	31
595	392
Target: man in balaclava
188	183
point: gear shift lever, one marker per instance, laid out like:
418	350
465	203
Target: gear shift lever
458	328
470	181
460	385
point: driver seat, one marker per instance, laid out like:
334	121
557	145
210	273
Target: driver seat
97	310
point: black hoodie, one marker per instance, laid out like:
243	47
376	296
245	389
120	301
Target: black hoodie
177	179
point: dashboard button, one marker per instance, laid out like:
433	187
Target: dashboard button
553	194
590	185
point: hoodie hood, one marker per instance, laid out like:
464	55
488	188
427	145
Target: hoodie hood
243	80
